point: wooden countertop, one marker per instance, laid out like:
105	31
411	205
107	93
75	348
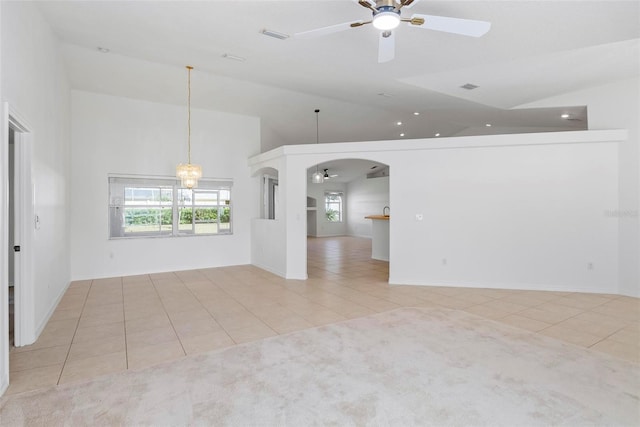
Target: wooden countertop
381	217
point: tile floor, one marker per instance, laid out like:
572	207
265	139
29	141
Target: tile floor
110	325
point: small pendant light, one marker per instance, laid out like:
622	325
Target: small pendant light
317	177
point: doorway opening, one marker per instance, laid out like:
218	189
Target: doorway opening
340	237
20	213
11	236
269	193
16	212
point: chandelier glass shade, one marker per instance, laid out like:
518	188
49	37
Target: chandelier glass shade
188	173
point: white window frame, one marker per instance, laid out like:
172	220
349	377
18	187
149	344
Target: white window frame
116	221
341	203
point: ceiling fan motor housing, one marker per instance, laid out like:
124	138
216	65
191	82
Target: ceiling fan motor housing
387	4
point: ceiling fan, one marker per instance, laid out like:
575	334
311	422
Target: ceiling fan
326	174
387	15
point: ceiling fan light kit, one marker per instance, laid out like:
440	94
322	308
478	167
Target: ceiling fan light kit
388	18
387	15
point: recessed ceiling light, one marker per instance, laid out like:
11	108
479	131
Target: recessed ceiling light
437	134
402	134
234	57
565	116
103	49
386	95
399	123
274	34
469	86
488	125
416	113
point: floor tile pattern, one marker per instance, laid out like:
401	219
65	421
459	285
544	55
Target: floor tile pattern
109	325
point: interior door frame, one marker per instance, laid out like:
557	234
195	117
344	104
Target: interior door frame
24	328
25	222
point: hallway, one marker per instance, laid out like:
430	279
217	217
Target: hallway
109	325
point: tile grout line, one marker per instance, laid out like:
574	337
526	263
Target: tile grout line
66	359
167	313
124	324
240	303
576	330
607	337
207	310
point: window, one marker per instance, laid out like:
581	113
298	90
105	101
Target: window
204	211
270	197
155	207
333	206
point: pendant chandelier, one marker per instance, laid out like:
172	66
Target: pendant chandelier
317	177
188	173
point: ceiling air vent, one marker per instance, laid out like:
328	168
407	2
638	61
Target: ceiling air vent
274	34
469	86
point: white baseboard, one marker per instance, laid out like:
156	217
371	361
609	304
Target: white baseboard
270	270
47	316
516	286
4	384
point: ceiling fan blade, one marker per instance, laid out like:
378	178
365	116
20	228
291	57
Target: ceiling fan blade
465	27
407	3
386	47
369	4
360	24
327	30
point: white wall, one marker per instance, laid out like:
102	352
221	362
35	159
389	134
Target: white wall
527	217
268	245
323	227
617	106
504	211
268	237
34	83
366	197
126	136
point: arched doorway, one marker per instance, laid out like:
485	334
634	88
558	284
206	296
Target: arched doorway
339	234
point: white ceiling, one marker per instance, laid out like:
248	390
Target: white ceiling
535	49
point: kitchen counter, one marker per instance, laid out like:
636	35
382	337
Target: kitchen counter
379	237
380	217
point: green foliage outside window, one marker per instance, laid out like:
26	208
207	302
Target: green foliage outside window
147	216
332	215
204	215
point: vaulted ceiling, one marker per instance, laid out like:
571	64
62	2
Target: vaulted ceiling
535	49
